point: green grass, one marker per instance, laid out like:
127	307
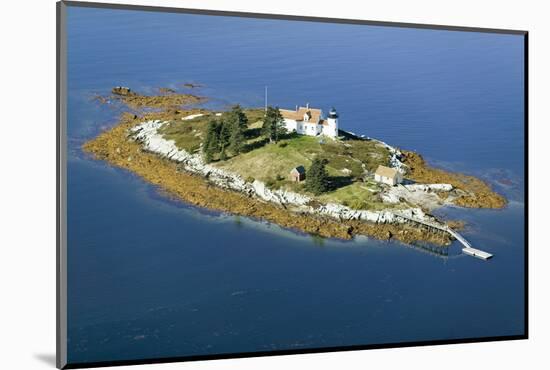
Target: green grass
345	158
270	160
358	195
370	153
254	115
187	135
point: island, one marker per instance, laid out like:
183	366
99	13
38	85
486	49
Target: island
297	168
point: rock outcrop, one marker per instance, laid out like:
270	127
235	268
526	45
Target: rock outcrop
425	195
429	187
122	91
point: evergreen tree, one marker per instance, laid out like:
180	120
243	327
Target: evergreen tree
223	156
236	141
211	142
317	177
273	127
224	138
239	124
237	117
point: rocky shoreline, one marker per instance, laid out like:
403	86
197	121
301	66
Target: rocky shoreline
136	146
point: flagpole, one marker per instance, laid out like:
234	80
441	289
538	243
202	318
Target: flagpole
266	98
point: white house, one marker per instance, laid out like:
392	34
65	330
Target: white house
387	175
310	121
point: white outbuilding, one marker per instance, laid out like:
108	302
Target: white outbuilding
387	175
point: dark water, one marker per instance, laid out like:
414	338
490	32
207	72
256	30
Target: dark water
150	277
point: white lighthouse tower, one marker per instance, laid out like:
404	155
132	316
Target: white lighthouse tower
332	123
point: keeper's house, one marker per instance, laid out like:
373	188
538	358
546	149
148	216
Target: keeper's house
387	175
310	121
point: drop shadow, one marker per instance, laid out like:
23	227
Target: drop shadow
337	182
408	182
255	145
46	358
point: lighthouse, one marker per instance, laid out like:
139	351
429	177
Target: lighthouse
332	123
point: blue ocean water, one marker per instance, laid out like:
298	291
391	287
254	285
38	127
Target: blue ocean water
152	277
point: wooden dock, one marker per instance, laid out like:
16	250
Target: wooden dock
468	249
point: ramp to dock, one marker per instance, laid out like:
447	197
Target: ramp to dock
468	249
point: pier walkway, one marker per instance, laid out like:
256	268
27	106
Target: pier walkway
468	249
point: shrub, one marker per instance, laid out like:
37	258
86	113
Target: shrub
283	144
357	204
270	183
279	177
250	179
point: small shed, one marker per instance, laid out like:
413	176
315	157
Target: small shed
387	175
298	174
